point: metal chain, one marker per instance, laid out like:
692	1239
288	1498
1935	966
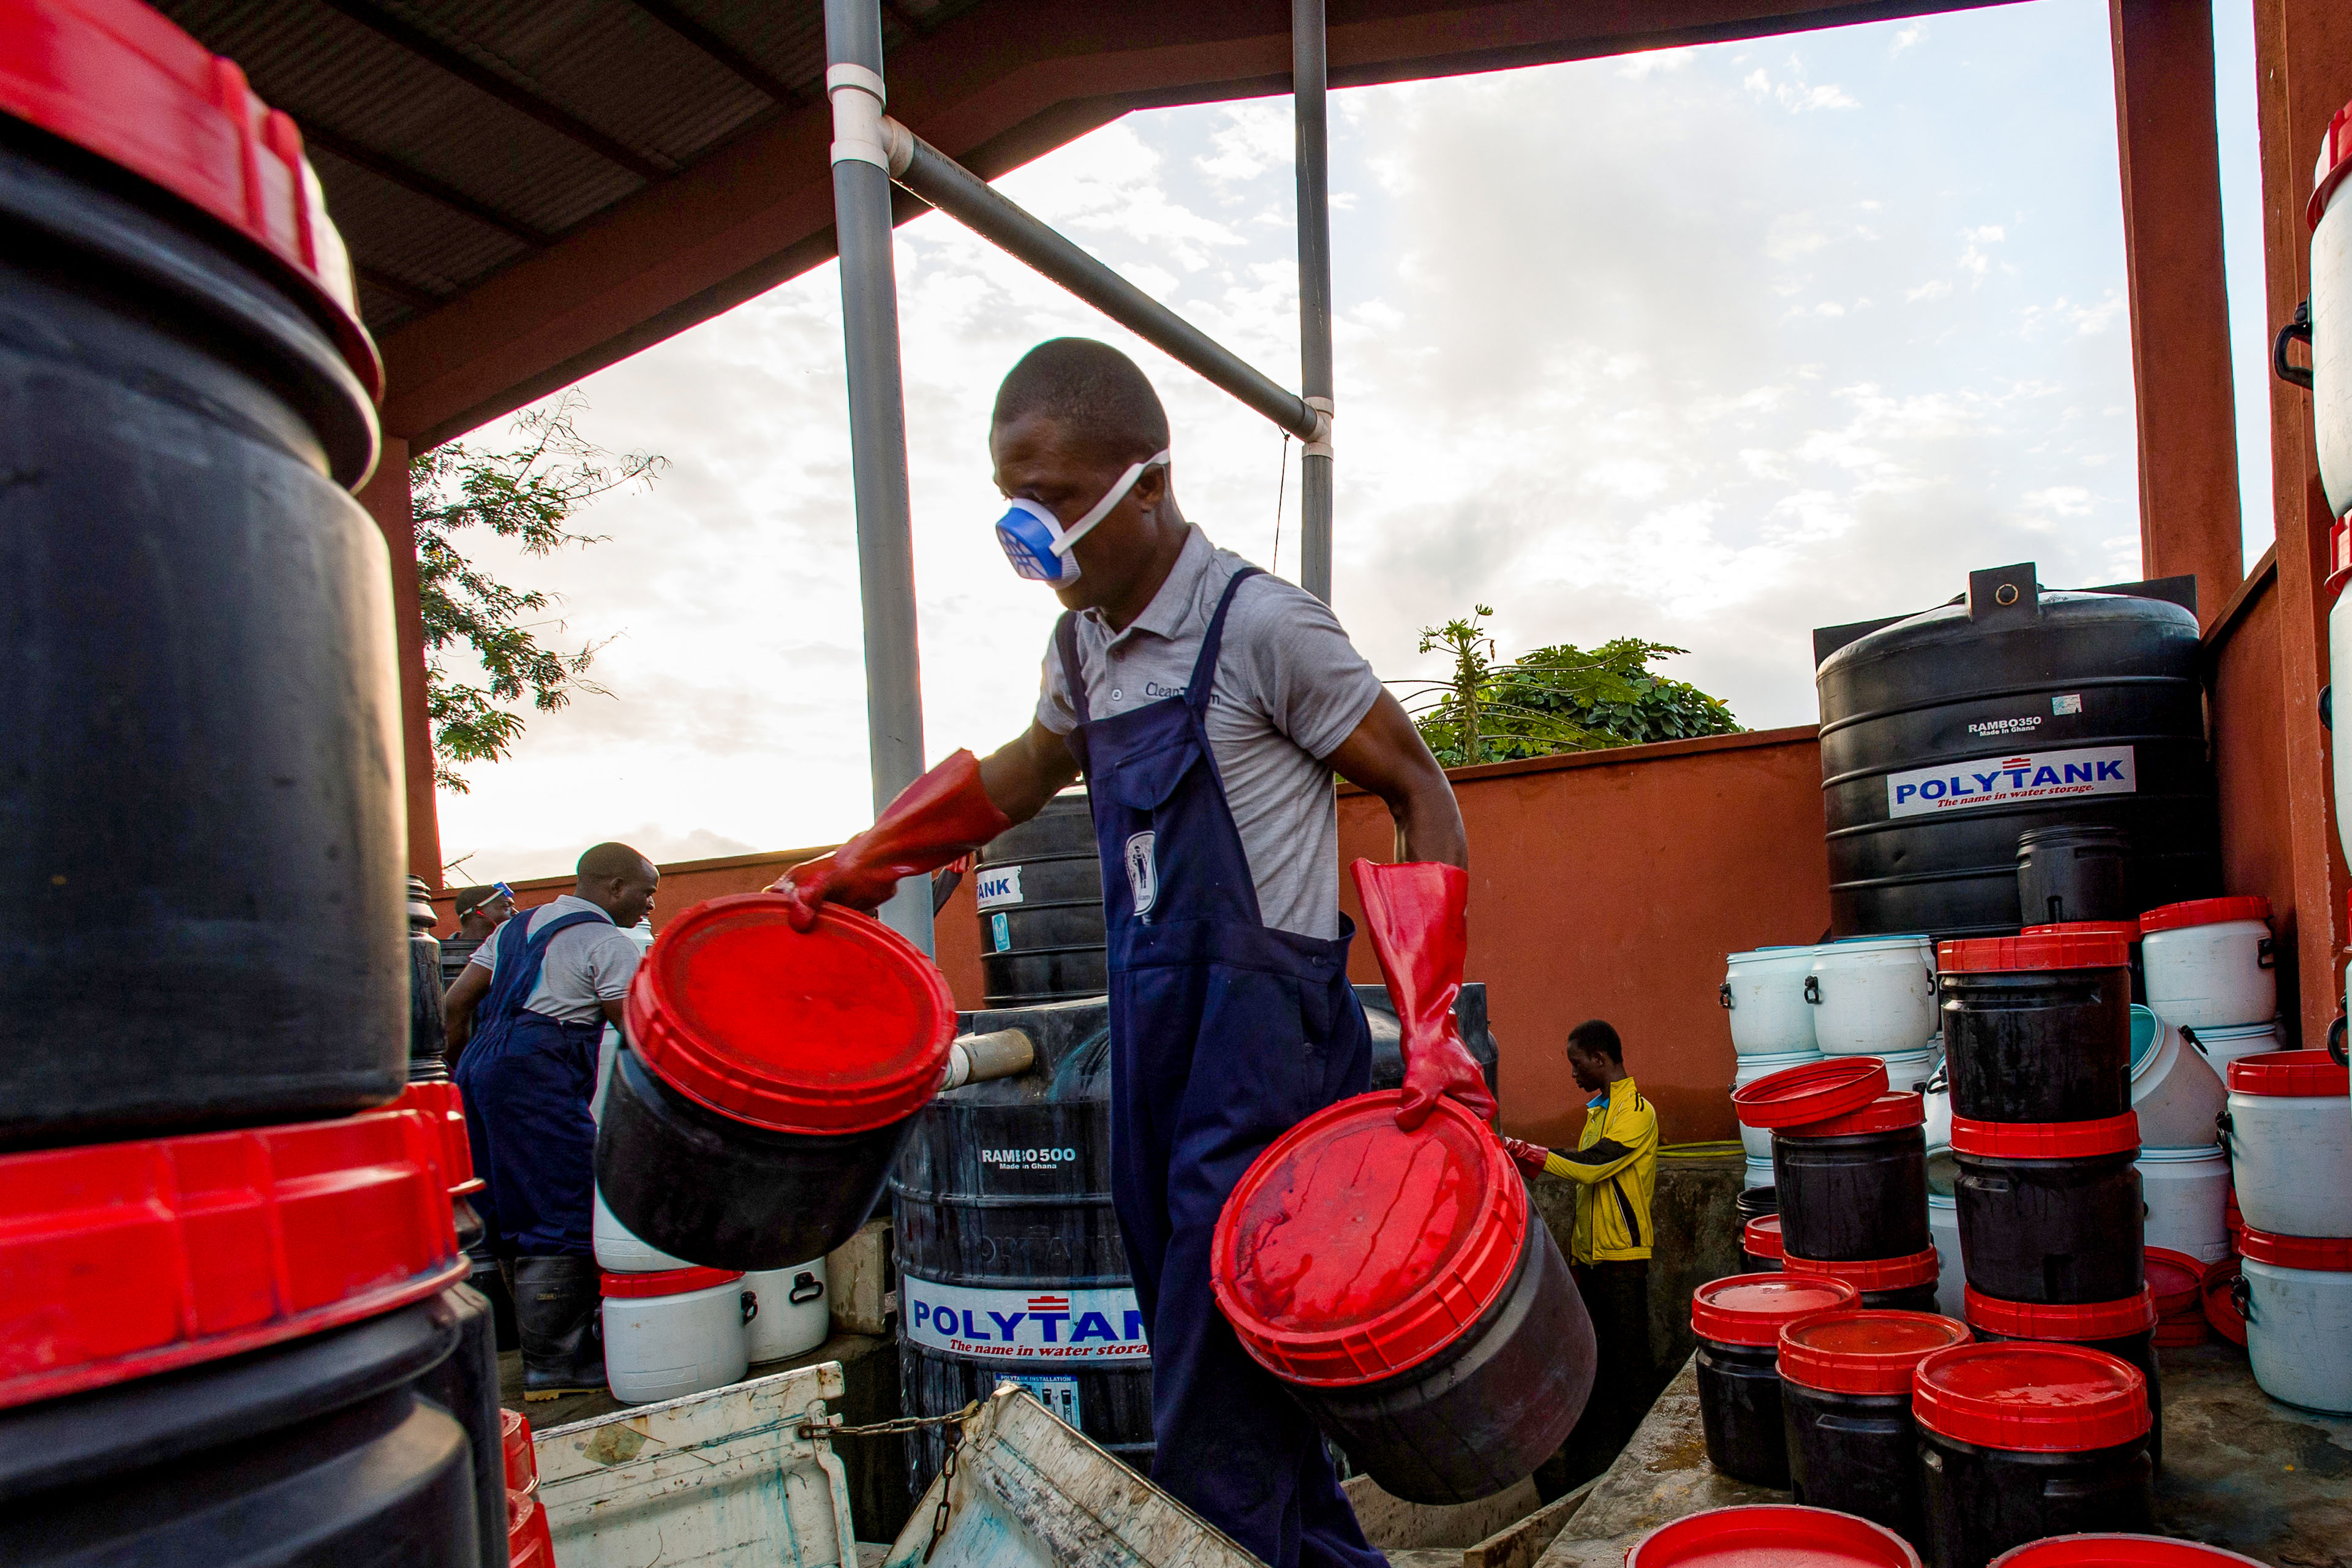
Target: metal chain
808	1429
954	1436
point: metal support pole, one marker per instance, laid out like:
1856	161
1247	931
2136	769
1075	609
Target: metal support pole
878	423
1309	75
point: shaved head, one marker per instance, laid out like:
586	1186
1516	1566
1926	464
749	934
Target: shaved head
1094	392
618	881
607	861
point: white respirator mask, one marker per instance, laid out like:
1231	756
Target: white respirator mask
1038	545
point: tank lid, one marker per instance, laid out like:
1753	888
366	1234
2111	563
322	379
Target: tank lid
1863	1350
2173	1279
2335	162
444	1106
127	1260
522	1456
2070	949
1761	1235
1352	1250
2037	1398
115	79
2088	1320
2127	930
2300	1074
666	1282
1752	1309
1890	1112
2219	1291
2329	1254
2046	1140
1813	1092
2119	1551
1870	1273
2205	912
840	1029
1784	1535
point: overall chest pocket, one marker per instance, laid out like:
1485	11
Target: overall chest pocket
1144	780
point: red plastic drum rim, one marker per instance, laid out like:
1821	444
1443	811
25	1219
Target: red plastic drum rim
2205	912
2335	162
2173	1278
445	1107
520	1453
1351	1250
2220	1304
1893	1111
837	1030
2178	1333
2030	1397
2046	1140
2089	1322
1863	1350
1812	1092
2127	930
1752	1309
1783	1533
2068	947
116	79
1761	1235
122	1260
2290	1075
666	1282
1871	1274
2118	1552
2323	1254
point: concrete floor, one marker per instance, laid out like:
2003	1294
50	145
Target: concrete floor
2240	1470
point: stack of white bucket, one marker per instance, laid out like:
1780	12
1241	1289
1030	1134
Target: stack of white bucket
672	1329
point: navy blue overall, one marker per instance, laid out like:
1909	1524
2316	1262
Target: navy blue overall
527	1080
1224	1034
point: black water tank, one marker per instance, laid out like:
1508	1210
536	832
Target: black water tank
1946	735
1469	1016
1039	889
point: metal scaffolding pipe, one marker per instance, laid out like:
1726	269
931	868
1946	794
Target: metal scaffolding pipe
970	201
877	424
1309	78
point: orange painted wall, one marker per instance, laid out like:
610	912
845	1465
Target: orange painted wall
1614	884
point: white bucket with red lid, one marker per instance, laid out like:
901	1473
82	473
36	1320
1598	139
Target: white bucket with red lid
674	1332
2290	1143
2295	1295
2208	962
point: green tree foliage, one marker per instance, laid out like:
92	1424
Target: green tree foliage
1557	698
483	655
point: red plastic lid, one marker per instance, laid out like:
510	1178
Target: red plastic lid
2219	1292
1870	1273
2335	162
522	1458
2034	1398
2301	1074
1771	1535
530	1544
2173	1278
2087	1323
2119	1551
666	1282
1864	1351
840	1029
1813	1092
1352	1250
2179	1333
1890	1112
445	1107
1761	1235
2330	1253
2046	1140
115	79
1752	1309
2068	947
2205	912
2127	930
120	1260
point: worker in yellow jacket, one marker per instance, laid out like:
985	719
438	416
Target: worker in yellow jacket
1615	1167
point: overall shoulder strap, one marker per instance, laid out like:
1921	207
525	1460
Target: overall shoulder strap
1066	641
1204	668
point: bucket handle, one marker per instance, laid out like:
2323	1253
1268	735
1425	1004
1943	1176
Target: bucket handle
2335	1043
2297	331
1814	989
2189	1034
751	1305
2223	1127
1722	995
806	1288
2267	953
2242	1296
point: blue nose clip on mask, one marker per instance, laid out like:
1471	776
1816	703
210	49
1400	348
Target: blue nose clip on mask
1038	545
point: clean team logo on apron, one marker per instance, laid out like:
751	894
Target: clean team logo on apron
1025	1325
1143	875
2034	776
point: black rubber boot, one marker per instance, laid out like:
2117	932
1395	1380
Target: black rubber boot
555	1301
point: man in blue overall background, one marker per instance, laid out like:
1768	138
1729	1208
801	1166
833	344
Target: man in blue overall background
524	1022
1208	704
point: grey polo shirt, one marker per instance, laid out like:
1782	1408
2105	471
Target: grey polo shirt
1289	688
585	966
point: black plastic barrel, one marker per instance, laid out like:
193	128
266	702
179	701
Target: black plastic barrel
1001	1211
204	855
466	1384
1738	1322
2060	1231
1855	1186
1039	889
1754	1203
1760	1247
1884	1284
2124	1330
456	952
323	1452
2037	1028
1946	735
2073	871
1846	1392
427	1045
1469	1017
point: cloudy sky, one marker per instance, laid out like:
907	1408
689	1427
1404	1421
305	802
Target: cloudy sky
1708	346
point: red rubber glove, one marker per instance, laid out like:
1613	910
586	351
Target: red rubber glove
1527	1157
940	816
1417	916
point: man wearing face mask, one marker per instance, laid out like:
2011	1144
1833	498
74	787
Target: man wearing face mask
1208	705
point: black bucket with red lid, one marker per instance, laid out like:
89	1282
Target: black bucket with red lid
1404	1291
1760	1245
770	1076
2116	1551
2020	1441
1846	1392
2050	1213
2124	1329
2037	1028
1906	1284
1855	1186
1737	1321
1771	1535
